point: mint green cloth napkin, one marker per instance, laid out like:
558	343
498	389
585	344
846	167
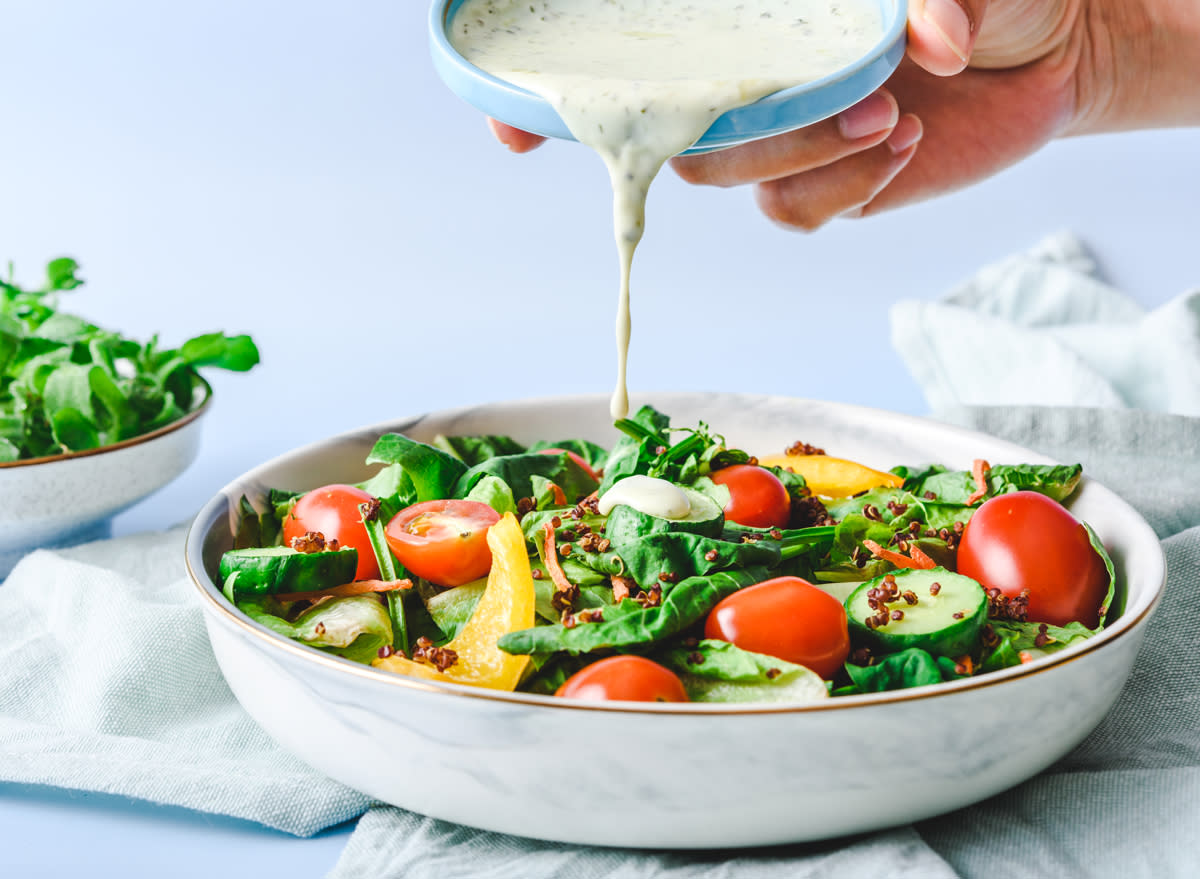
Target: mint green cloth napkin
108	684
1042	328
1124	804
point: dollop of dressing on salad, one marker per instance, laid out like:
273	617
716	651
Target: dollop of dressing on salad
640	81
646	494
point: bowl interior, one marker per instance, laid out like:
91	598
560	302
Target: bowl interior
776	113
761	425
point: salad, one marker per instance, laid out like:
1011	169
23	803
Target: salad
671	567
67	385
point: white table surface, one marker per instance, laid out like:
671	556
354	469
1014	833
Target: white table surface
296	170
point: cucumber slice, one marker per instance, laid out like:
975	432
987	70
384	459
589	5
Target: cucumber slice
704	517
946	620
272	570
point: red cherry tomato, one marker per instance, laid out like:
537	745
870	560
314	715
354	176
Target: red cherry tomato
756	496
784	617
1026	540
445	541
333	511
625	678
577	458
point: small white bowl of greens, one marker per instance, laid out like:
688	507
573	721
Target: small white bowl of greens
91	421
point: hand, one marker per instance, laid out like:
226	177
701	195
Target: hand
983	85
975	94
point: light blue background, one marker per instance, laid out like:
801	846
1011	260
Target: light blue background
295	170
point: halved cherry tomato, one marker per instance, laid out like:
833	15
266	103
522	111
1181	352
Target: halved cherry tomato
333	511
785	617
576	457
624	678
1026	540
756	496
443	541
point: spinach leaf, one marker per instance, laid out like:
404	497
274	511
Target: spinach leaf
628	623
717	671
955	486
680	555
723	661
472	450
496	493
1024	635
1113	604
431	472
1004	654
591	452
642	434
908	668
518	471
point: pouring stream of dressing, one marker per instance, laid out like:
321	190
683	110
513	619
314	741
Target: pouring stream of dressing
640	81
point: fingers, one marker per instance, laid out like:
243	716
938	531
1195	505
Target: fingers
862	126
808	200
514	138
941	33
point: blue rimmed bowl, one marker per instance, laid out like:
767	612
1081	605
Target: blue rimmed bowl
774	114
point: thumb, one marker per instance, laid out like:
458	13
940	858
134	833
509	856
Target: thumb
941	33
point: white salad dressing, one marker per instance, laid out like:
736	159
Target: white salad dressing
646	494
640	81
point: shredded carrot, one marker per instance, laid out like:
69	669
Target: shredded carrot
920	557
561	583
899	559
358	587
622	587
965	663
560	496
1026	656
979	471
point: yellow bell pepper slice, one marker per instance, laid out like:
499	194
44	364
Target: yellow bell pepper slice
507	605
827	476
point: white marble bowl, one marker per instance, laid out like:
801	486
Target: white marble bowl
676	776
69	499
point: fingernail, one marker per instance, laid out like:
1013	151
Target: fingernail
952	23
877	112
907	132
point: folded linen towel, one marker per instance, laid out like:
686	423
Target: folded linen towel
108	684
1041	328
